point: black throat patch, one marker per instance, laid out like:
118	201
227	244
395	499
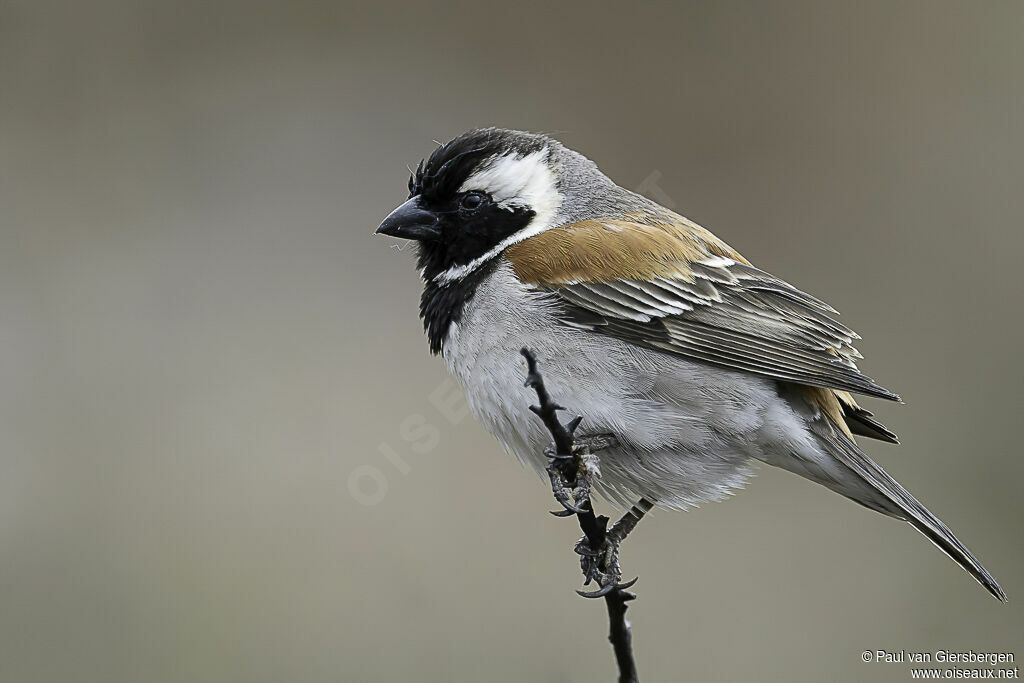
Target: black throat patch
443	304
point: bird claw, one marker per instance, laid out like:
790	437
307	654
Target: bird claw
605	590
600	593
569	510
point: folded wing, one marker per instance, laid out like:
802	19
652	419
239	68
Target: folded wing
663	282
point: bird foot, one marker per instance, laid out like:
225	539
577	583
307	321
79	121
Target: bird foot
572	475
602	565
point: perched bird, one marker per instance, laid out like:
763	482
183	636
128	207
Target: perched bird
649	326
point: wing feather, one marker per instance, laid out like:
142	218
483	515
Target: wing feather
665	283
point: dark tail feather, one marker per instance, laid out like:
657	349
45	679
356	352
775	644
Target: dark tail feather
908	508
862	423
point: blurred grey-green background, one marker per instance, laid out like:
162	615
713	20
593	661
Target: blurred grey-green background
209	367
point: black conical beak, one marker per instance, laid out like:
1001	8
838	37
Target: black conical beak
411	221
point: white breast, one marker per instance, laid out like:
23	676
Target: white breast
684	428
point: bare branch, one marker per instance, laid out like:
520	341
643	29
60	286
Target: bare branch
572	467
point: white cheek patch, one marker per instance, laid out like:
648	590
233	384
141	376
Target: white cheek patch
513	181
516	181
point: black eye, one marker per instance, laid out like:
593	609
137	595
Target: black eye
471	201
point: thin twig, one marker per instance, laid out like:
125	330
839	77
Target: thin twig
569	466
